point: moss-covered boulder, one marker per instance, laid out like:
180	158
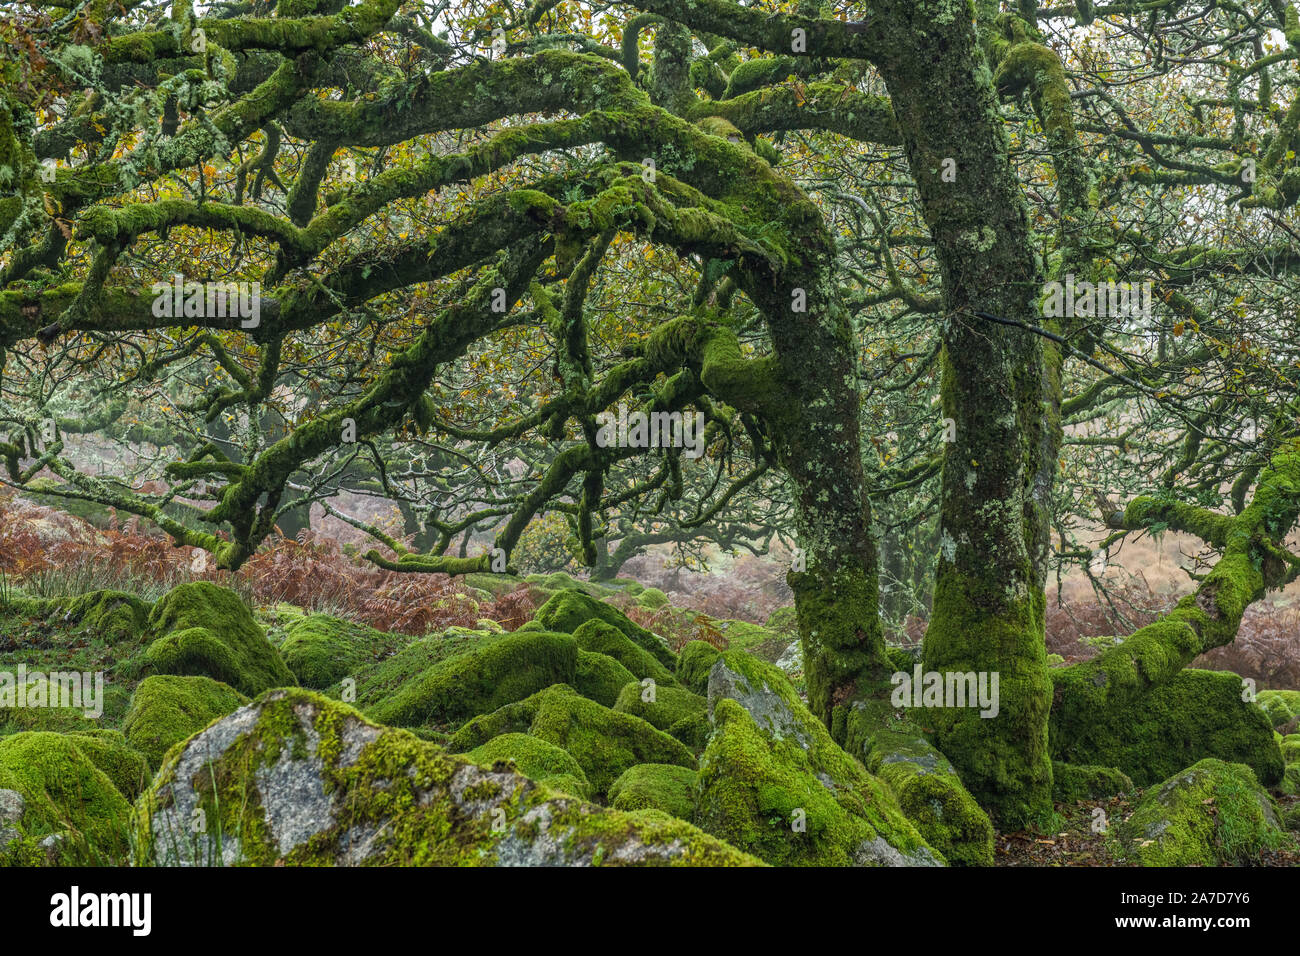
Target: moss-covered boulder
298	779
1072	782
166	709
929	791
537	760
652	599
1211	814
1290	747
321	650
569	609
110	751
773	782
603	741
602	638
497	585
481	680
1281	706
380	680
115	616
754	638
784	620
61	701
694	664
679	712
1196	715
656	786
600	677
65	792
206	630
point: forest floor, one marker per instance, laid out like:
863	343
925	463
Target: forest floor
1076	843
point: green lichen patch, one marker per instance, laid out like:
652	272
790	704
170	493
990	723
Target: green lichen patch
569	609
604	638
773	782
298	779
1213	813
481	680
537	760
167	709
600	677
321	650
1195	715
207	630
656	786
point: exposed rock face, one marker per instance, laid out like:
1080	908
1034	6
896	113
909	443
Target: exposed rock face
298	778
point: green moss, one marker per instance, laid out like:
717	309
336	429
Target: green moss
603	741
1072	782
784	620
498	585
207	630
481	680
1005	762
116	616
381	680
672	707
65	792
569	609
1195	715
167	709
773	782
1281	706
744	636
58	719
379	796
694	663
1213	813
763	797
656	786
929	791
652	599
602	638
322	650
109	751
600	677
537	760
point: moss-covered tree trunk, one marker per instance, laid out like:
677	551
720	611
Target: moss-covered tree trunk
988	601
